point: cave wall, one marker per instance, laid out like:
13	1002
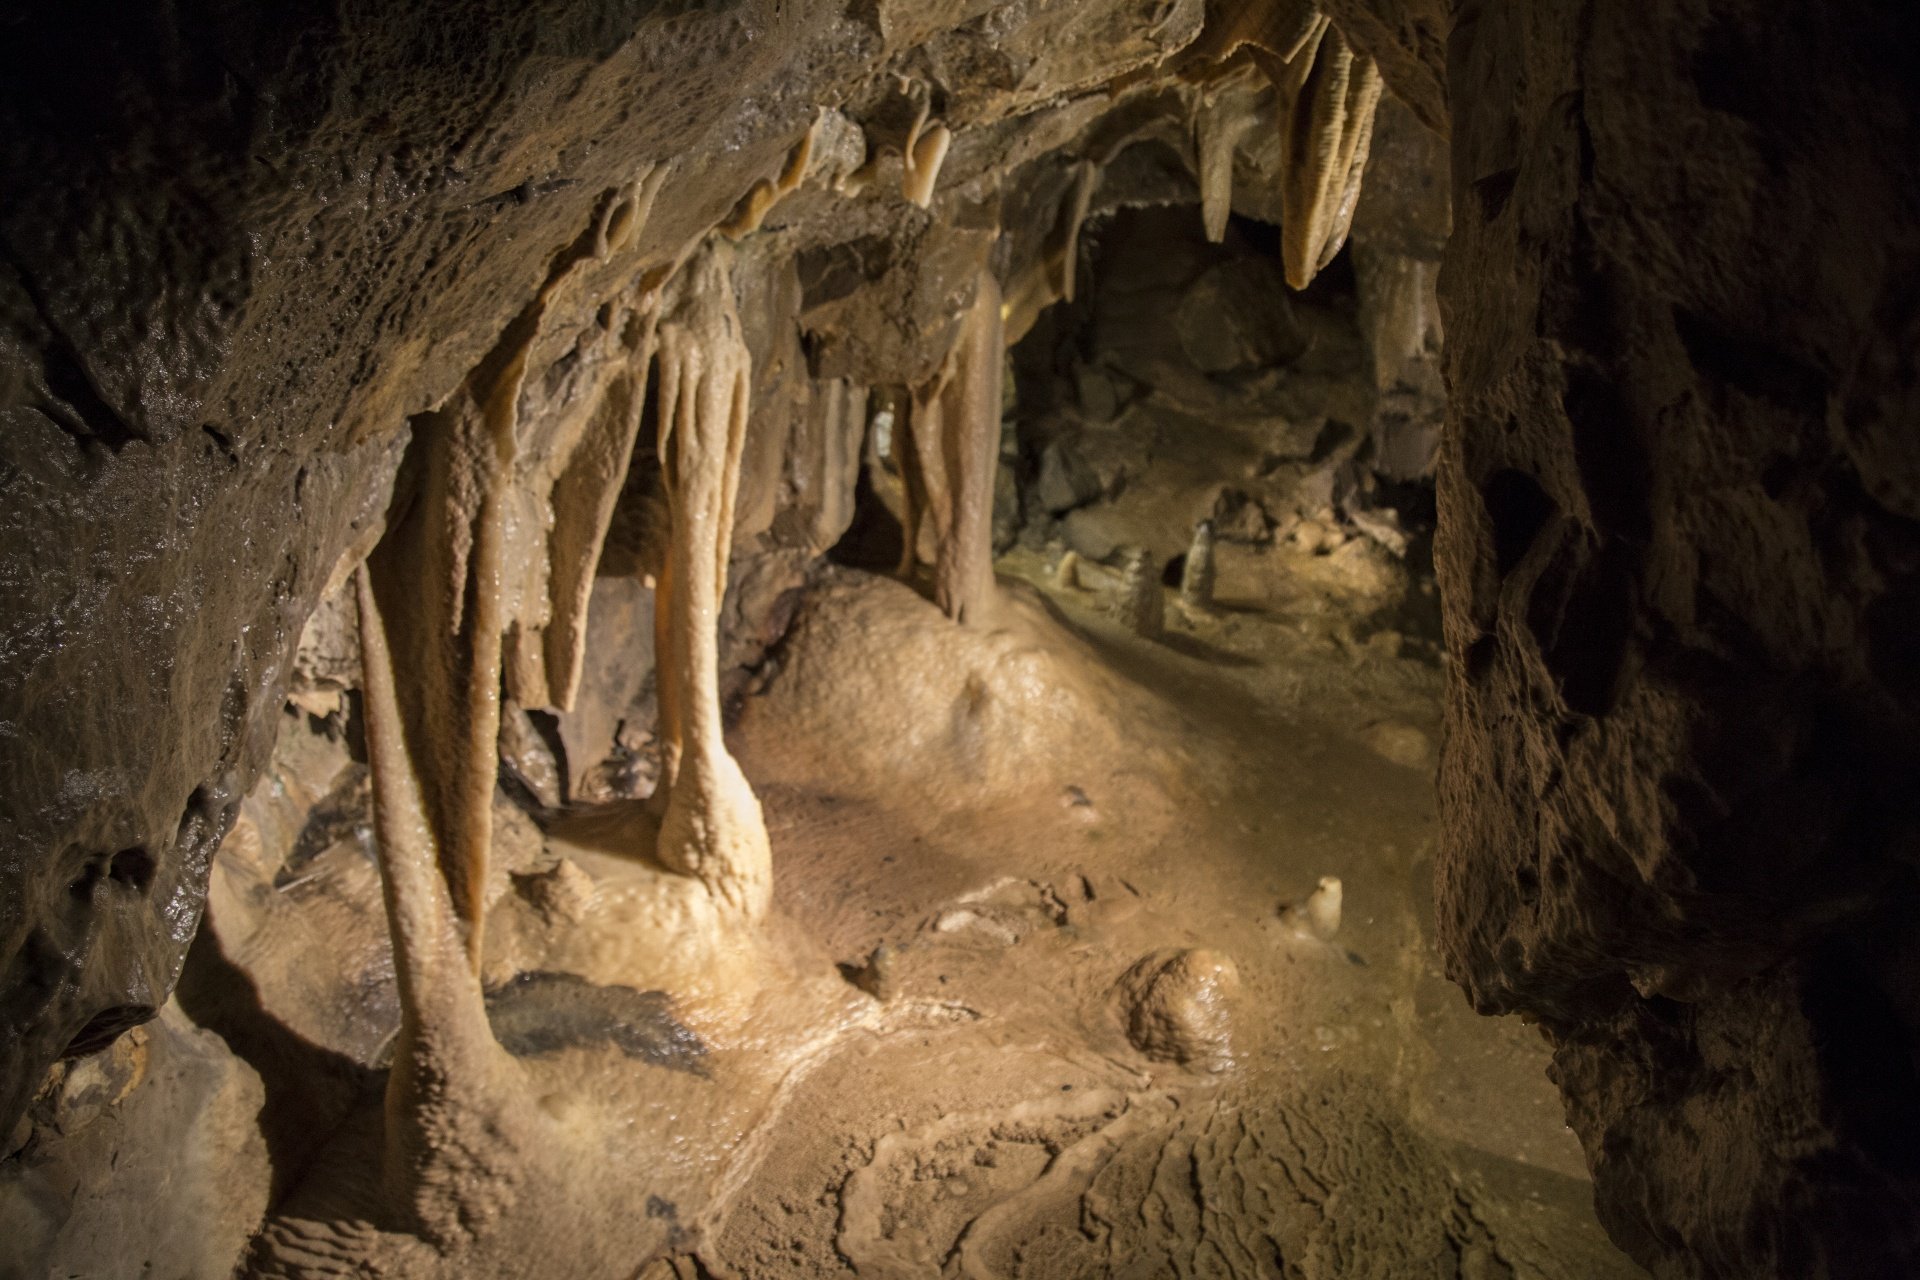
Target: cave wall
1678	556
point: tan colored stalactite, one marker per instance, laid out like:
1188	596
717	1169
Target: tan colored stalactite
1063	241
919	412
925	153
467	566
953	458
970	408
829	465
439	575
712	827
927	495
1217	132
1329	94
571	464
1053	277
768	192
448	1142
583	501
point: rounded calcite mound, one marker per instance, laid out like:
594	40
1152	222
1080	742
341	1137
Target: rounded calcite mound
1177	1006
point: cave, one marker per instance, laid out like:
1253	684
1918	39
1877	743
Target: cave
1006	638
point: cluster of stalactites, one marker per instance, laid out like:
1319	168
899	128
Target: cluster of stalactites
1327	95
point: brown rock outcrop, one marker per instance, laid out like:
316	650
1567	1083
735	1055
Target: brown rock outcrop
1677	554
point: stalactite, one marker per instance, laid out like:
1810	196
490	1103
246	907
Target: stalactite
582	505
766	193
464	571
439	575
829	463
926	151
1329	93
1217	131
712	826
1062	250
1052	276
951	457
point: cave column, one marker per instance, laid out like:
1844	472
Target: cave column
712	826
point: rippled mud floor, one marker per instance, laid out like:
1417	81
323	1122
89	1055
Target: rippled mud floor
989	830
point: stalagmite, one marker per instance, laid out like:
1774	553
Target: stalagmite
1319	915
1067	571
712	826
1142	607
950	459
1196	576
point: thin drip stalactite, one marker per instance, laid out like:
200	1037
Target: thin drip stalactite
951	460
712	827
1217	132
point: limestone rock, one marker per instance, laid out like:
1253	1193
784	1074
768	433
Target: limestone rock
1235	317
1399	742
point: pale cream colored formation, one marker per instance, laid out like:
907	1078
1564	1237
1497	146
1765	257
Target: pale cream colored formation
1216	133
712	827
1051	278
1327	93
1319	915
926	151
951	457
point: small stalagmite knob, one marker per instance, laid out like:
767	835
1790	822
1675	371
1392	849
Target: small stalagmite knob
1196	577
1066	571
1142	607
1319	915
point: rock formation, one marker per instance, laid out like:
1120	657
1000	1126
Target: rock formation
711	827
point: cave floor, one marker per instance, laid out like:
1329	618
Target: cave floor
1350	1117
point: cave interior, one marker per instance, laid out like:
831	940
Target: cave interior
960	639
